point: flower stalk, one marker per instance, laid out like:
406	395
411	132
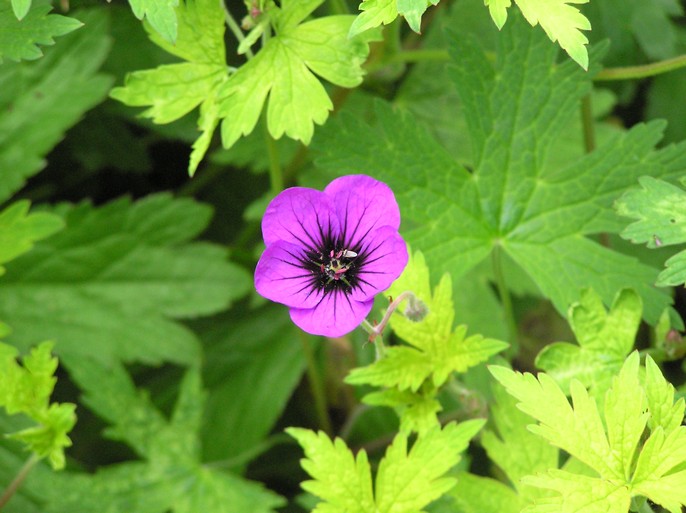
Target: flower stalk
316	385
416	310
18	479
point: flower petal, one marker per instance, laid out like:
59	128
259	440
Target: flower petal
362	205
384	256
336	315
302	216
280	276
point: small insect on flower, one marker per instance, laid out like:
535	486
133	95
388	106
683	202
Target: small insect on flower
330	252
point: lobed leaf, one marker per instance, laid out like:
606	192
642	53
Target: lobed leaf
562	22
626	465
412	373
661	220
23	30
21	7
343	481
170	476
517	197
160	14
382	12
285	66
173	90
26	390
19	230
605	339
514	448
41	100
406	482
110	284
418	411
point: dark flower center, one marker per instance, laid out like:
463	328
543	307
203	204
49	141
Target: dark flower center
334	267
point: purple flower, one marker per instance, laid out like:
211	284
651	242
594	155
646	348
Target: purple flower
329	253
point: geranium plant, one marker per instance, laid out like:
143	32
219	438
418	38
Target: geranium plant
342	256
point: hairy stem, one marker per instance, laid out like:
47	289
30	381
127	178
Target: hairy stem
316	385
505	299
375	337
18	479
643	71
235	28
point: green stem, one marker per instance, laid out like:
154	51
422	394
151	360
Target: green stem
375	337
18	479
338	7
421	55
505	299
608	74
587	123
235	28
275	171
201	180
643	71
316	385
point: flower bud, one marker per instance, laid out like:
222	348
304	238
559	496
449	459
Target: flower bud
416	309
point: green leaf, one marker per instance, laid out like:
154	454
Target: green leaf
160	14
661	221
476	494
562	22
40	100
173	90
285	70
498	10
374	13
516	196
19	230
604	339
418	411
412	11
515	449
382	12
342	480
608	444
407	481
21	30
435	350
110	284
27	390
21	7
252	365
170	475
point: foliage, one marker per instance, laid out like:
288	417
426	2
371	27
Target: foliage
610	445
281	68
605	339
406	480
26	390
659	210
513	201
543	207
412	374
25	27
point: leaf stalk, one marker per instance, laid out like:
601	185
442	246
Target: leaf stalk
235	28
505	299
